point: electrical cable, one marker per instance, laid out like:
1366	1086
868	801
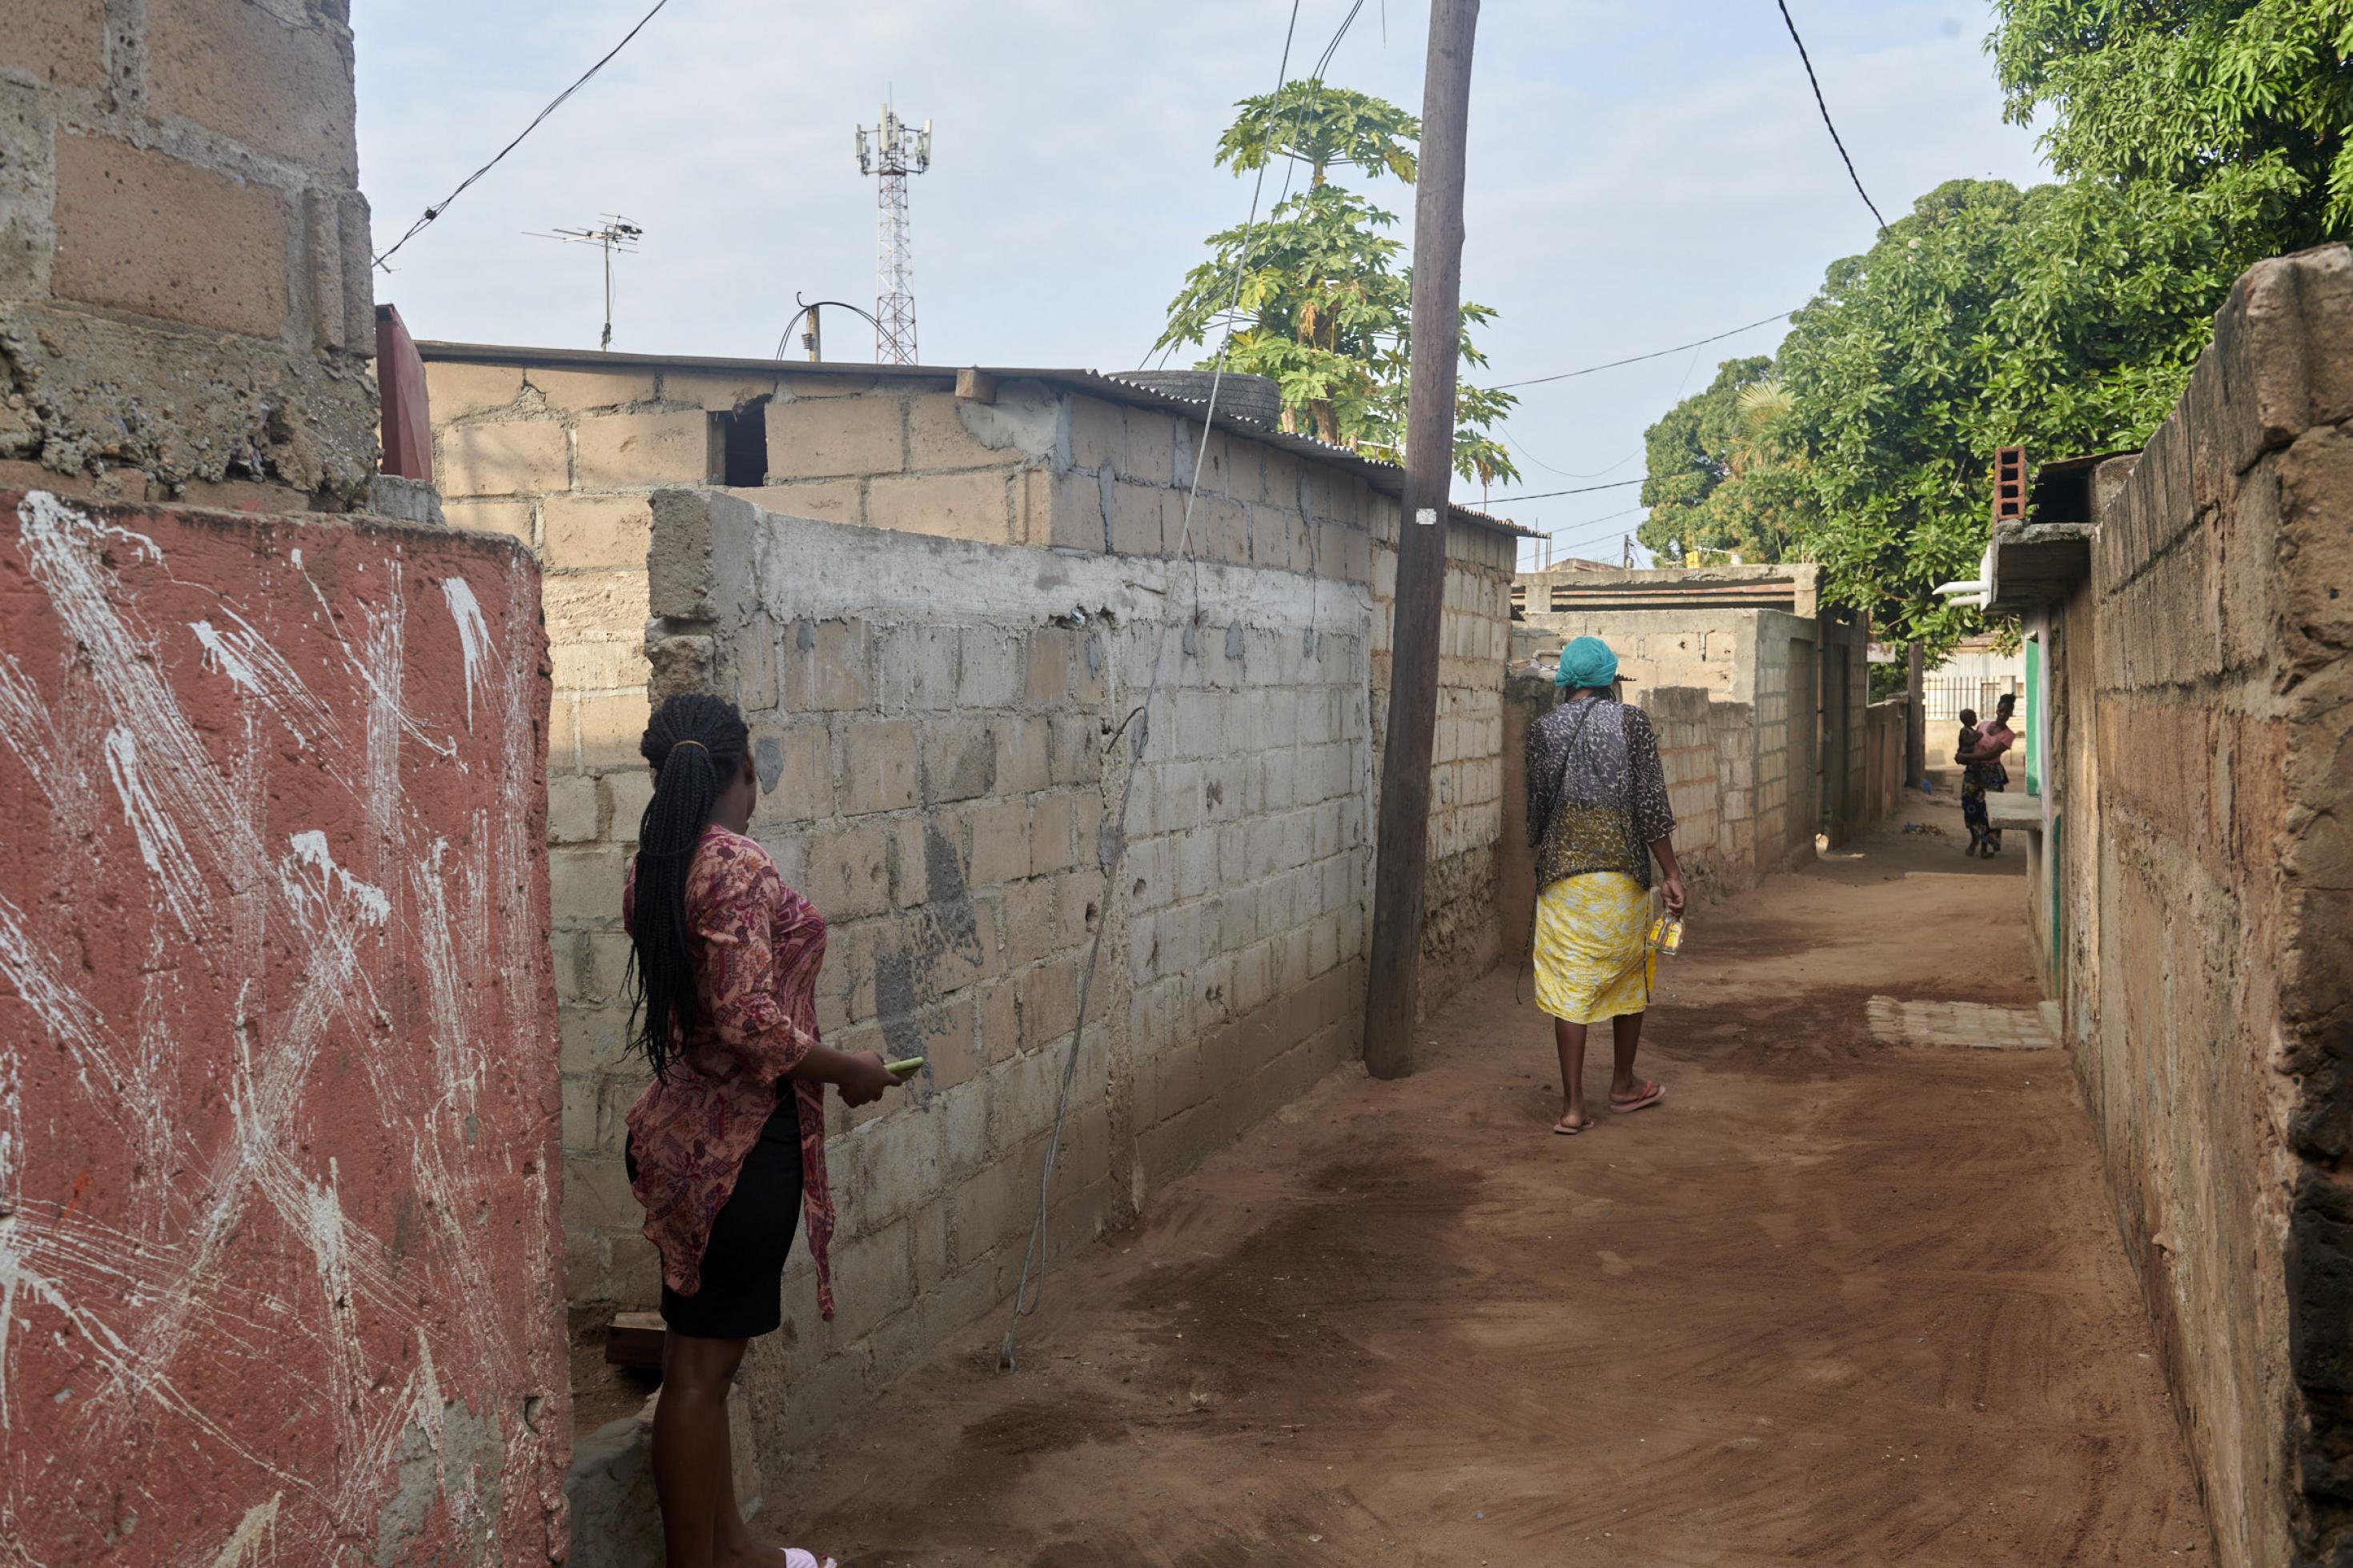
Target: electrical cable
1836	139
1025	1300
1579	490
554	104
1637	359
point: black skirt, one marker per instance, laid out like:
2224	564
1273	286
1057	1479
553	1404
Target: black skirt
742	1292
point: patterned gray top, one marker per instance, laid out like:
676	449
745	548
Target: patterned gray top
1597	794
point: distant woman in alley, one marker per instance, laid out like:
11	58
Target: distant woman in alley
1597	815
1983	772
726	1146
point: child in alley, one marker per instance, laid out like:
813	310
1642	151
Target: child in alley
1973	805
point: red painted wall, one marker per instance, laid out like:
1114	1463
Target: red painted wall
280	1272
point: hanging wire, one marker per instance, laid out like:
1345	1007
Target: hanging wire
1835	140
1033	1256
437	208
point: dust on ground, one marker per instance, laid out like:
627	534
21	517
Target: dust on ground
1834	1302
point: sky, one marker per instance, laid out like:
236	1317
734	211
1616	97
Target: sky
1642	174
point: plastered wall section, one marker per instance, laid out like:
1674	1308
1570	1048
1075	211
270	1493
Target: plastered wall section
568	458
946	731
2210	989
280	1263
186	305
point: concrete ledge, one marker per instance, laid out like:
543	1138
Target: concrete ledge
2007	810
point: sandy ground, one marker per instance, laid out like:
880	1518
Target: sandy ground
1834	1302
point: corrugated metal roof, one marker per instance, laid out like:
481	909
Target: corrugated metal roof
1386	478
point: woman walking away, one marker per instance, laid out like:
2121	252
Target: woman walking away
1597	813
1983	772
726	1146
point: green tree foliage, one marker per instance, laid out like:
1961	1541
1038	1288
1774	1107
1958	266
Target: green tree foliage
2066	318
1325	307
2250	99
1722	478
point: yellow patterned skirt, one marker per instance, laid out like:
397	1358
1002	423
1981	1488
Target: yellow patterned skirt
1591	953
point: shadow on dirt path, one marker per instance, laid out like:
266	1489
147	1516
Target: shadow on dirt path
1834	1302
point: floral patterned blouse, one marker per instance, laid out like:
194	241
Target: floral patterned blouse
756	946
1596	793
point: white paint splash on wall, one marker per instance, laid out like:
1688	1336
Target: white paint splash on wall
473	634
311	851
170	1281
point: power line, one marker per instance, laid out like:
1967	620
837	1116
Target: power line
437	208
1835	139
1637	359
1547	495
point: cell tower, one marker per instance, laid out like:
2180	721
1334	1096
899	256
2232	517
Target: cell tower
897	151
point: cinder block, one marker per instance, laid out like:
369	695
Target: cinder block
578	391
1151	456
1077	520
571	810
508	517
950	506
990	671
655	448
1097	434
1024	755
937	437
1053	830
627	793
143	232
58	41
597	531
918	666
611	727
242	72
584	881
880	765
827	500
796	769
508	458
831	438
847	875
454	390
825	667
1136	519
1050	656
723	393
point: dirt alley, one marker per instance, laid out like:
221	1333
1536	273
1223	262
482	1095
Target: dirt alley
1834	1302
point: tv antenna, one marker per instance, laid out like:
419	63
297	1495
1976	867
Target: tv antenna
897	151
618	234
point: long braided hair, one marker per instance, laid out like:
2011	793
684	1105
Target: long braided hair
696	745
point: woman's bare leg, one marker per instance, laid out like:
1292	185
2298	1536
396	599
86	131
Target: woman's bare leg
693	1477
1626	1037
1569	1040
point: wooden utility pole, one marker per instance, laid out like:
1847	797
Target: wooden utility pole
1394	995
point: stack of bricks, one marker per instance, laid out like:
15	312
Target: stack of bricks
184	237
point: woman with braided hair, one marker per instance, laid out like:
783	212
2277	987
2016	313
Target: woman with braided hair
726	1146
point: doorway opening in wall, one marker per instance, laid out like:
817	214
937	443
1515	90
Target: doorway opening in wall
739	445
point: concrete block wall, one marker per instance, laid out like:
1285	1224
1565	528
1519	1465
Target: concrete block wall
281	1269
182	234
2210	992
945	731
1460	937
